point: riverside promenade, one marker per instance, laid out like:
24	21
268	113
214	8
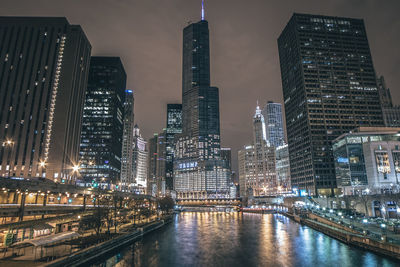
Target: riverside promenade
364	236
79	248
89	255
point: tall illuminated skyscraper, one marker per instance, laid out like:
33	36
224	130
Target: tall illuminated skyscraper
139	164
272	113
174	127
127	177
329	88
44	65
199	171
103	115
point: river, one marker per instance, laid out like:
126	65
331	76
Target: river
237	239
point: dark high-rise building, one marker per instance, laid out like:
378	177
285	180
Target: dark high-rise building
102	128
199	171
127	168
174	127
391	113
272	113
329	88
152	166
44	65
226	154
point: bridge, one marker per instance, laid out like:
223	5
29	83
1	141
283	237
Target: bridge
222	205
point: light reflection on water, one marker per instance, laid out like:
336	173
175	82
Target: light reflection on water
236	239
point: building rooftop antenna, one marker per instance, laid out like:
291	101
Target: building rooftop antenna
202	9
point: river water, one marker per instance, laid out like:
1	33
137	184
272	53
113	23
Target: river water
237	239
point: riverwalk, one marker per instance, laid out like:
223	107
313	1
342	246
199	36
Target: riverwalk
349	234
86	256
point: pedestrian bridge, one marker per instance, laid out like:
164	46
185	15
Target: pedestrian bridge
209	202
207	205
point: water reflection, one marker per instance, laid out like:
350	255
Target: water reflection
236	239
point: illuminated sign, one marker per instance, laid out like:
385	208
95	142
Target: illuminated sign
342	160
187	165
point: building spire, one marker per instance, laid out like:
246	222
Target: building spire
202	9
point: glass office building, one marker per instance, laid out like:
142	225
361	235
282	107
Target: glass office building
199	171
102	127
272	113
329	88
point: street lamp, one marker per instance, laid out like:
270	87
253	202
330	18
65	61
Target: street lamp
8	142
75	168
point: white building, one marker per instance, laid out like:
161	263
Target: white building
257	172
139	166
368	157
283	169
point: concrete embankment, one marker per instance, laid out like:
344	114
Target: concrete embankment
261	211
89	255
349	236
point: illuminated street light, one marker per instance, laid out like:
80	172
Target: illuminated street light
8	142
42	164
75	168
365	220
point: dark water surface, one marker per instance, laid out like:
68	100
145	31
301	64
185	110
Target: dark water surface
236	239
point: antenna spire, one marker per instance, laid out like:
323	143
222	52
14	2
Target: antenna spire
202	9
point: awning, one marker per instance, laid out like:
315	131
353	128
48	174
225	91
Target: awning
50	239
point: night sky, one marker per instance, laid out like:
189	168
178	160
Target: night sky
147	35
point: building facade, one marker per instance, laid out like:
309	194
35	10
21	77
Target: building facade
102	127
199	171
368	158
174	127
161	163
329	88
152	165
391	113
257	171
282	164
247	179
272	113
44	64
127	176
140	162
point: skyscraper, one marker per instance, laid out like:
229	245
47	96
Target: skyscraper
102	129
282	166
391	113
329	88
127	176
264	158
44	65
152	166
174	127
257	162
198	169
246	171
272	113
139	163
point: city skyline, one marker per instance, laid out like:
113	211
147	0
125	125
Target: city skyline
245	29
300	94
